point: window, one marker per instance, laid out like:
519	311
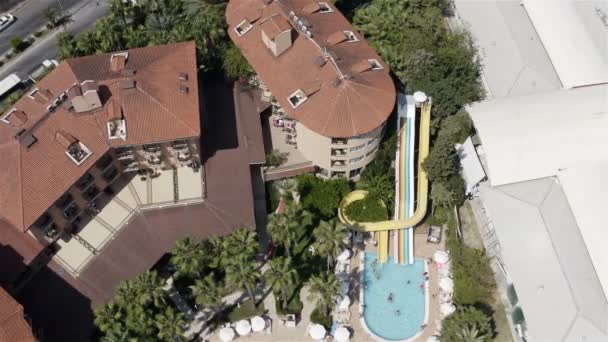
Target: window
324	8
297	98
357	148
6	117
354	173
375	64
242	28
358	159
372	141
350	36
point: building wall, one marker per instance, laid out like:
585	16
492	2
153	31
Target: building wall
328	154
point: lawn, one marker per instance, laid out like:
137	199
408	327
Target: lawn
246	310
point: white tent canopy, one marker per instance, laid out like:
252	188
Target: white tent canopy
441	257
447	309
258	324
243	327
317	332
342	334
446	284
344	303
472	170
227	334
345	255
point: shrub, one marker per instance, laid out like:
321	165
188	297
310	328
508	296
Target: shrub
38	33
294	306
246	310
467	324
369	209
19	44
316	316
322	197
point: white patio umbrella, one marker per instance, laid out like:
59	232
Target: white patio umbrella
444	270
243	327
342	334
227	334
432	338
317	332
441	257
446	284
258	324
344	303
344	287
345	255
446	309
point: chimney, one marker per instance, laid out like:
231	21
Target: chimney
118	61
276	34
85	96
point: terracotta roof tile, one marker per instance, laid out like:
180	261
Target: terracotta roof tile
347	104
31	179
13	326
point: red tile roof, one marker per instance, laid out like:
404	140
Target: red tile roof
349	102
13	327
31	179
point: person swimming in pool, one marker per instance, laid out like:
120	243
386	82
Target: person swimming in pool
397	312
390	297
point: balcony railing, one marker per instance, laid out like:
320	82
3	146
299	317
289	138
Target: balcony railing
84	182
91	194
337	141
110	174
71	212
64	201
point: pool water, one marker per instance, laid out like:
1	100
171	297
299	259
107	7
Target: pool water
401	317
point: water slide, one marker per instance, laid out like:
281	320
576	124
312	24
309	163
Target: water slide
410	208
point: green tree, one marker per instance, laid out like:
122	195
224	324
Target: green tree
442	161
282	276
195	7
108	318
245	275
378	185
188	258
324	288
442	196
241	246
18	44
170	325
235	64
467	324
52	15
457	128
369	209
151	289
329	240
274	158
207	292
285	229
322	197
473	277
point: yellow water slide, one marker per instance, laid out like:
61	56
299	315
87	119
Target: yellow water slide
382	228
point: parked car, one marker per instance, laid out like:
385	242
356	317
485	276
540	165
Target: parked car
6	20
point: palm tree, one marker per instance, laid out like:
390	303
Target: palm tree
245	275
127	294
140	320
188	257
379	186
285	228
282	276
170	325
323	288
329	239
150	287
289	188
119	336
196	7
241	245
52	15
109	318
207	292
471	334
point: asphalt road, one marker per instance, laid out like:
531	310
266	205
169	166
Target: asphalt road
88	12
30	19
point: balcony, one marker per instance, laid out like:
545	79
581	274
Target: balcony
339	141
51	232
338	152
152	148
179	145
71	212
340	174
44	221
91	194
104	162
84	182
154	160
123	152
338	163
184	156
110	174
64	201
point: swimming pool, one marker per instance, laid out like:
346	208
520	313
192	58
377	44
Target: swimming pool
400	316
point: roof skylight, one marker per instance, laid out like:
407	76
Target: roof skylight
297	98
351	37
242	28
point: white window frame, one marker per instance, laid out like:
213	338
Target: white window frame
357	148
375	64
351	37
325	8
5	117
300	94
356	159
247	29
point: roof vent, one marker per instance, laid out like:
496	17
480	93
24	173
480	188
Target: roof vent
325	8
118	61
350	35
27	139
183	76
14	117
117	129
297	98
75	150
127	84
243	27
183	89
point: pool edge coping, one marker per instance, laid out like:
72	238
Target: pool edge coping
362	302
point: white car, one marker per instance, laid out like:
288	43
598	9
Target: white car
6	20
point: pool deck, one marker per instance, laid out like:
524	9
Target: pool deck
422	250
